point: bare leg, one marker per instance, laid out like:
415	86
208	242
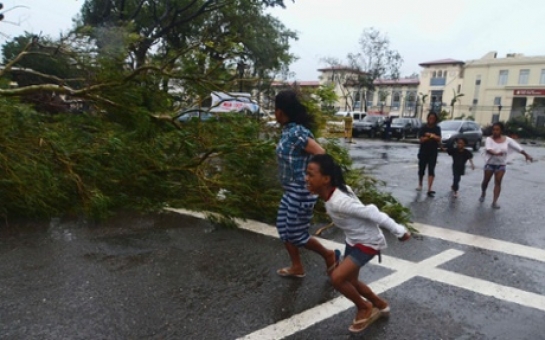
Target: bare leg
341	280
368	294
430	183
486	179
498	177
296	264
328	255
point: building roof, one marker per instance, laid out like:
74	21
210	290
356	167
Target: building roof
304	83
509	59
341	68
402	81
443	62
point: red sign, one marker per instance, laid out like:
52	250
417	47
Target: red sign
529	92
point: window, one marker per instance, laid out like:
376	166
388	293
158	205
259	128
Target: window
410	99
497	101
396	99
502	79
475	101
440	74
495	118
434	74
523	77
445	74
542	77
459	88
369	97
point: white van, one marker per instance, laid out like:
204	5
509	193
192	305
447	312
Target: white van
356	115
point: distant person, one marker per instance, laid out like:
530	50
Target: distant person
294	149
348	125
498	148
388	128
364	238
430	140
460	155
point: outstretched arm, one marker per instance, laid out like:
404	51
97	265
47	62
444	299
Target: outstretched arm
371	213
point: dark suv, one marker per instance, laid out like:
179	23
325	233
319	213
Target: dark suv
370	125
453	129
402	128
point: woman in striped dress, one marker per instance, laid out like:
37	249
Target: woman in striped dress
296	146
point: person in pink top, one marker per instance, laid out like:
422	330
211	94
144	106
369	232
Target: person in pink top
498	148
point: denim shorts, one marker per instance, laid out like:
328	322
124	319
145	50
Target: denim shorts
357	256
495	167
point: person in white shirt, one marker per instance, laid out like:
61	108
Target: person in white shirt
364	238
498	148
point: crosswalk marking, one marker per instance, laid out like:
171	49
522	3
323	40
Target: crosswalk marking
403	271
482	242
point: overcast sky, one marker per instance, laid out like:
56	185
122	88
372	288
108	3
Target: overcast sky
421	30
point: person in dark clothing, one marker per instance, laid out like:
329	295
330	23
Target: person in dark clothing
388	128
430	140
460	155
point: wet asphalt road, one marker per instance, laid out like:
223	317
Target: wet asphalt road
168	276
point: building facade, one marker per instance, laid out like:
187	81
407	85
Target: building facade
395	97
489	89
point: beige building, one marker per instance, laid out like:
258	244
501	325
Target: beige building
493	88
440	81
344	79
394	97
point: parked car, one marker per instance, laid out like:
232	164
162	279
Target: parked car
402	128
453	129
370	125
195	114
356	115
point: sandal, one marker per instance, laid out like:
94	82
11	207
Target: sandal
360	325
286	272
431	193
337	261
385	312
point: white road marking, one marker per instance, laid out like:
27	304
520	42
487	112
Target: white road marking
482	242
310	317
404	271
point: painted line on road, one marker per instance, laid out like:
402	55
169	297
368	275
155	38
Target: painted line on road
404	271
482	242
310	317
486	288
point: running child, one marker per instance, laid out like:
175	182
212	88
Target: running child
364	238
460	155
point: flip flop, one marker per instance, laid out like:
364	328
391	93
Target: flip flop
337	261
385	312
285	272
360	325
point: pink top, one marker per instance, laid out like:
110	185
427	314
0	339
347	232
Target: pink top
507	149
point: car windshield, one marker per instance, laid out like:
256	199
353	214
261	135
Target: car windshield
371	119
400	121
449	125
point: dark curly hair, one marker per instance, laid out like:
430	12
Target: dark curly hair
288	101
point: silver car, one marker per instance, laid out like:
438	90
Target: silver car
453	129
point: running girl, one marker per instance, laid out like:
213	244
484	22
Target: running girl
364	239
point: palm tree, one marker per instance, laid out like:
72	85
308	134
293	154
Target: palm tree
455	98
424	97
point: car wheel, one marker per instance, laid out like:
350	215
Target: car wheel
403	135
477	145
